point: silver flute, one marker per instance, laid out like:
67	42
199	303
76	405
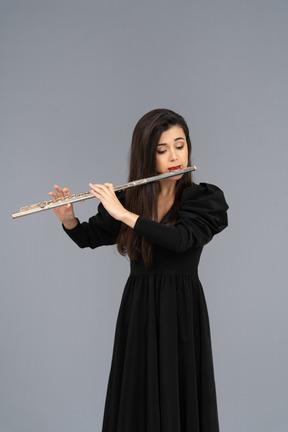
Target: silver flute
47	205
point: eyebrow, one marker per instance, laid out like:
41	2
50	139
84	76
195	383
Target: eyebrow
176	139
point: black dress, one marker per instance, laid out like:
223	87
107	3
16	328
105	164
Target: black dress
162	377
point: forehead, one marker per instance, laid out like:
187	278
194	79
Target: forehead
171	134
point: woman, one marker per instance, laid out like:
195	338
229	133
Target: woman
161	377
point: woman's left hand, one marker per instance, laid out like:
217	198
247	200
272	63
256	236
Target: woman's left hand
105	193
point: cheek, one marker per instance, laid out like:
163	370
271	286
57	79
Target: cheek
159	162
186	154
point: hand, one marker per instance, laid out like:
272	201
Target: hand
64	213
106	194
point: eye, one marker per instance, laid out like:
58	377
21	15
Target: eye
161	151
180	147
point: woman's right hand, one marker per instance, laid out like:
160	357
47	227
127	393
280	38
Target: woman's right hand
64	213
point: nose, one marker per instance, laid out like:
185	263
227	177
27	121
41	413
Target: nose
173	155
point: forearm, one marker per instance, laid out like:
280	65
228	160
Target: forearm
179	237
129	218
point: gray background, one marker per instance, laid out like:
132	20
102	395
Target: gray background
75	78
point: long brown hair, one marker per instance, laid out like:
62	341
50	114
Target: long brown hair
143	199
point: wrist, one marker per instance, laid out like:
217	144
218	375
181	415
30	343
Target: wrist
70	223
129	218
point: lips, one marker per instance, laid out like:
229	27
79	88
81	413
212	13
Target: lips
174	168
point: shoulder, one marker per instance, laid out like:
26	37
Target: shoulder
203	190
204	204
203	198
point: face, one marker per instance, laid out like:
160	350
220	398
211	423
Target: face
172	151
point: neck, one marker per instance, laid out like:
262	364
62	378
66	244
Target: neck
167	188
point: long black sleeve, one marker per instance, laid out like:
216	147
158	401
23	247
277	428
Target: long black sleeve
202	214
101	229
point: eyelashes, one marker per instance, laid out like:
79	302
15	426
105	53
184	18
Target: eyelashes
164	151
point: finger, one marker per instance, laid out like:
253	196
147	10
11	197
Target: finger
95	190
59	190
54	195
66	191
101	192
98	187
110	186
107	188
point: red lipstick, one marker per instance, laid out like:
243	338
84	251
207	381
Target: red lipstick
174	168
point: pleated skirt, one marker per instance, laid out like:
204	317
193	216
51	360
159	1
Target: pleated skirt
162	377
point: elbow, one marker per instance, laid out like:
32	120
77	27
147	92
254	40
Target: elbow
82	245
183	244
179	247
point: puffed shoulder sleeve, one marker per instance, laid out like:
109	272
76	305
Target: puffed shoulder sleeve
101	229
202	214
